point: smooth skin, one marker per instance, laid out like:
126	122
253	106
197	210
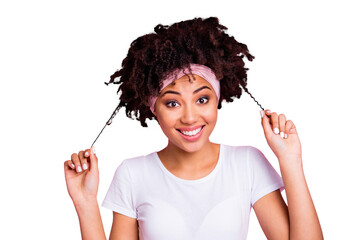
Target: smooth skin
192	104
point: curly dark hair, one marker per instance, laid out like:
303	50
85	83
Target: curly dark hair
154	56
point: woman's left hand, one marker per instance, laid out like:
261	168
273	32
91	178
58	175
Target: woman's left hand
281	135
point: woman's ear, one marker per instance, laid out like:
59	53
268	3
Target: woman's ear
154	112
155	117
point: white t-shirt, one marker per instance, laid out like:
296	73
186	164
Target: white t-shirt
214	207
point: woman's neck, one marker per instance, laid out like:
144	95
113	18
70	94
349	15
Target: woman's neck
176	159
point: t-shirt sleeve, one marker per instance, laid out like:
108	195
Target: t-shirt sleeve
119	196
263	177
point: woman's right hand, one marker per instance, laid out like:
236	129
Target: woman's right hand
82	176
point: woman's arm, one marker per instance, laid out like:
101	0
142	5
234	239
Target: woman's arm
275	217
304	222
124	228
299	220
91	225
82	181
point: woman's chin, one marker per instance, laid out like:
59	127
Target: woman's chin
192	147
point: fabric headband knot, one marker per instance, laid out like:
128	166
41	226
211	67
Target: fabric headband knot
197	69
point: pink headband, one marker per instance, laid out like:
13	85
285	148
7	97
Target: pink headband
196	69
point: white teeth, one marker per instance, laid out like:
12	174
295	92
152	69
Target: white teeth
191	133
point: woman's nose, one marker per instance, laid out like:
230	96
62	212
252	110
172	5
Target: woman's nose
189	114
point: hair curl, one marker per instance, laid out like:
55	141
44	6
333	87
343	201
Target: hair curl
154	56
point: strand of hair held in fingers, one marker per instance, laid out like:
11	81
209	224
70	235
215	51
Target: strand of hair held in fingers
108	122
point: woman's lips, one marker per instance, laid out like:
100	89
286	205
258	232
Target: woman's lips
193	137
187	129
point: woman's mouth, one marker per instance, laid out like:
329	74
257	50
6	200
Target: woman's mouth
191	135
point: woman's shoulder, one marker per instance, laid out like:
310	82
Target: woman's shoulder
138	167
243	153
140	159
239	149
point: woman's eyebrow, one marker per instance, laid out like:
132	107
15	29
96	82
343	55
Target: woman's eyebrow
203	87
197	90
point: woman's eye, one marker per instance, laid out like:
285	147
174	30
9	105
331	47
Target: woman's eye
171	104
203	100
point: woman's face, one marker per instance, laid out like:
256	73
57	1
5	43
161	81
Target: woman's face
187	112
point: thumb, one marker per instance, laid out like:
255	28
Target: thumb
93	160
265	122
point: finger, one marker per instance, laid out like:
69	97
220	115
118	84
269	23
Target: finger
266	124
69	164
282	121
93	160
83	160
274	122
69	169
75	159
290	127
268	112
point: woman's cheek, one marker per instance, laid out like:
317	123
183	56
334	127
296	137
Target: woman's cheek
210	116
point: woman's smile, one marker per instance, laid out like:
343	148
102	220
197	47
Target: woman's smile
192	135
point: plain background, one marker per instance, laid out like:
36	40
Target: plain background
56	55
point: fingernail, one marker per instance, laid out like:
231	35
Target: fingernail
268	111
85	166
285	135
93	149
78	169
72	165
261	113
276	130
86	154
281	134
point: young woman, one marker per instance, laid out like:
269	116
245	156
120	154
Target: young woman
193	188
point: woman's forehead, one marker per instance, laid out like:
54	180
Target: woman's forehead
184	82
